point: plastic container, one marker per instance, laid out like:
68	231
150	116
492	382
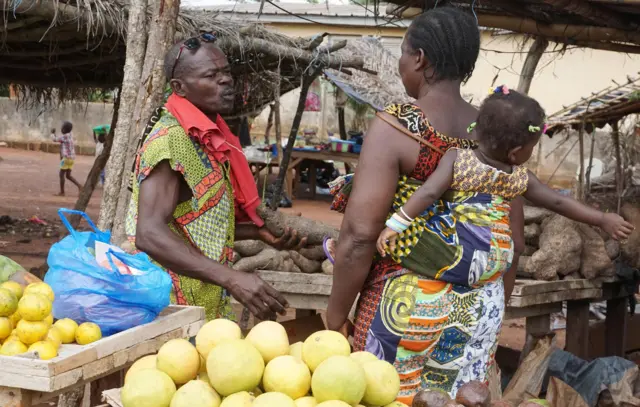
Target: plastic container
342	146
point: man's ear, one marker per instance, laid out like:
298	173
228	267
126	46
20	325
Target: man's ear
177	87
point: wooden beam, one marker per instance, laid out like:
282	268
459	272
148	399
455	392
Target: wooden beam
20	23
618	2
593	13
604	46
63	64
50	51
57	10
533	27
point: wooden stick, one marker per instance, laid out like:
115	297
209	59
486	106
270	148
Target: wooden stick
615	134
536	51
307	80
593	142
581	173
63	64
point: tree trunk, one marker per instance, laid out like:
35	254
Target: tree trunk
531	63
98	166
136	43
307	80
150	96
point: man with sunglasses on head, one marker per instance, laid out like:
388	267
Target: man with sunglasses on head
193	193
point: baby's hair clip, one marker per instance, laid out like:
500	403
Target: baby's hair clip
534	129
471	127
500	89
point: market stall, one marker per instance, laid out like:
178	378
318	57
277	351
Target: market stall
26	381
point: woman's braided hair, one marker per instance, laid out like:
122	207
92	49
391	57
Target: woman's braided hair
450	40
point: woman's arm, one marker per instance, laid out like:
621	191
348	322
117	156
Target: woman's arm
542	195
516	219
374	186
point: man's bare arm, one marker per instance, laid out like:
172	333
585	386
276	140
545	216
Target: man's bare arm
157	202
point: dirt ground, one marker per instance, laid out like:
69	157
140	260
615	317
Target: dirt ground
29	182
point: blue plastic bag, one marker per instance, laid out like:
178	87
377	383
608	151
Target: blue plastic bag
88	292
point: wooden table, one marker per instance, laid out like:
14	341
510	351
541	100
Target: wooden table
26	382
533	300
297	156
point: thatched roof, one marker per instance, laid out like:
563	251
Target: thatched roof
375	90
601	108
602	24
61	49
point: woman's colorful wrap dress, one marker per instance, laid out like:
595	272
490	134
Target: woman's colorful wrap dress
434	309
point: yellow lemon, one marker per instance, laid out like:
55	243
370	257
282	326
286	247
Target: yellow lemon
8	302
34	307
54	336
49	320
87	333
67	328
14	287
13	347
40	288
5	328
46	350
31	332
15	317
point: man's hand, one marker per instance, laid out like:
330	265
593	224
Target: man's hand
288	241
616	226
259	297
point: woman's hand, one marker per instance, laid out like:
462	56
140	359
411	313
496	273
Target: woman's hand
386	241
616	226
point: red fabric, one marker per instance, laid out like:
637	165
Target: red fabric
220	143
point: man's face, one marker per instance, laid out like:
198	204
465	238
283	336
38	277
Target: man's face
205	80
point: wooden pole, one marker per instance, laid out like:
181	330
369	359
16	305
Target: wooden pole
616	146
269	125
581	173
341	100
534	55
307	80
593	142
136	44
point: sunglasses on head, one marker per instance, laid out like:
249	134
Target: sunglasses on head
192	44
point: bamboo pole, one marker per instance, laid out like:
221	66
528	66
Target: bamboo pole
267	131
592	13
533	27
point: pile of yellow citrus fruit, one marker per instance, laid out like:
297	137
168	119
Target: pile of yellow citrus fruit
224	369
26	323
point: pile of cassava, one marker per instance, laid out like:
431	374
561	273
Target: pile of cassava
558	248
250	255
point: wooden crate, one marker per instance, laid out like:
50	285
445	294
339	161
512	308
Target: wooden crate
78	364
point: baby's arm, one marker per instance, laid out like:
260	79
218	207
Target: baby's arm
436	185
542	195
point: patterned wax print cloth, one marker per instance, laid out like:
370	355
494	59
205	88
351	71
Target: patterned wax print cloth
438	334
206	222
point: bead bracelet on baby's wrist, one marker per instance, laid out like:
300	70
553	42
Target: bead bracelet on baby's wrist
397	223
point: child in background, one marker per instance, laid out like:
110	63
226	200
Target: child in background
67	154
99	136
459	217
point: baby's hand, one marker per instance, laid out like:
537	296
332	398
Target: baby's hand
386	241
616	226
